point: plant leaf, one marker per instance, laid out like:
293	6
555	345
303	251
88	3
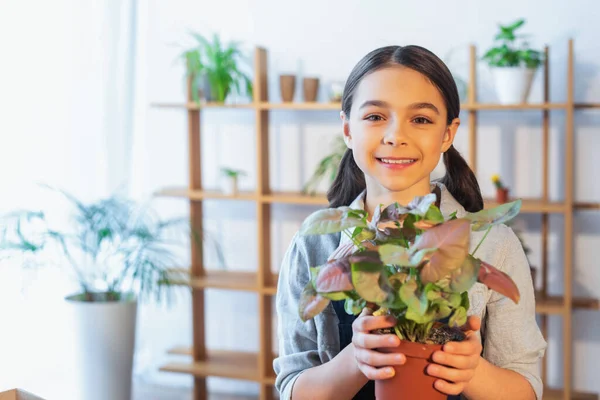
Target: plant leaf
331	220
452	241
311	303
416	302
464	278
366	271
498	281
458	318
335	276
397	255
420	205
354	307
483	219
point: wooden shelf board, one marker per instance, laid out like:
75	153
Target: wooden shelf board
335	106
295	198
197	106
524	106
534	206
557	394
587	105
220	279
220	363
206	194
587	206
556	304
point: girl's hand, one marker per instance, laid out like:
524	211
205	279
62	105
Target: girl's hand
372	363
457	362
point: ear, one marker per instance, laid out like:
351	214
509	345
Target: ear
450	134
346	130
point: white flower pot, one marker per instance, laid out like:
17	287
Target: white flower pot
230	186
513	83
104	346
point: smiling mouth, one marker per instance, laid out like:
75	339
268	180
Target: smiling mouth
397	161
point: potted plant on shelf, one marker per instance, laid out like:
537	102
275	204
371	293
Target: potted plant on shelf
502	192
214	69
328	167
513	65
117	252
412	263
230	185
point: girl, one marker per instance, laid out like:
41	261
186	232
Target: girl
400	114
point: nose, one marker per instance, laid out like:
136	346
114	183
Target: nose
395	134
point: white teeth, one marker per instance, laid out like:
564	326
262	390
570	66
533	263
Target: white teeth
388	161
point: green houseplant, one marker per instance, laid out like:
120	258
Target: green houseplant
408	262
118	252
513	63
216	68
327	167
231	180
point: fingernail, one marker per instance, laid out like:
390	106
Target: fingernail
432	369
400	358
392	340
390	372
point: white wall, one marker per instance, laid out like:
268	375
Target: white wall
51	83
326	39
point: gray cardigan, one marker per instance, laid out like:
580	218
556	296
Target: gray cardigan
511	336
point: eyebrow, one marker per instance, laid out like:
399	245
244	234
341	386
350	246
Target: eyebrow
413	106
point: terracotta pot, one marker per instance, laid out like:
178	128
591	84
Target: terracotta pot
311	88
501	195
287	86
411	380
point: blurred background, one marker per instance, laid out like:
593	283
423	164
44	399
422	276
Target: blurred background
93	101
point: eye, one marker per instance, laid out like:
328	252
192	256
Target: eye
422	120
373	118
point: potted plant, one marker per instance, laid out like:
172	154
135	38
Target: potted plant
118	253
502	191
215	69
230	185
513	64
412	263
328	167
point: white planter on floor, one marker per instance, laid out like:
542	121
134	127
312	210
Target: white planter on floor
513	83
104	345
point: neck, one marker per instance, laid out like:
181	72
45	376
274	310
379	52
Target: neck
377	194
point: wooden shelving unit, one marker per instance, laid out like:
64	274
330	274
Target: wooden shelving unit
257	367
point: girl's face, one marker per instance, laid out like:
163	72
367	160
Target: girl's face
397	131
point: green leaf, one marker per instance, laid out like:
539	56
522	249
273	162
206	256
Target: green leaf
331	220
465	303
420	318
458	318
354	307
483	219
397	255
452	242
311	303
465	277
366	271
334	296
420	205
417	303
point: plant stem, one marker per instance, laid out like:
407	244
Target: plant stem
482	239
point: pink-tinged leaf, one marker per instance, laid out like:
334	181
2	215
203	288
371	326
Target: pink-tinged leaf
417	302
464	278
393	212
335	276
420	204
392	254
342	251
484	219
498	281
424	225
366	273
331	220
452	242
311	303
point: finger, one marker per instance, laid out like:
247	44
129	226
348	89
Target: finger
374	341
455	361
378	359
468	347
366	311
373	373
473	324
449	388
450	374
369	323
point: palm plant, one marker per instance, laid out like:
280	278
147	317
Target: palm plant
114	247
218	64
